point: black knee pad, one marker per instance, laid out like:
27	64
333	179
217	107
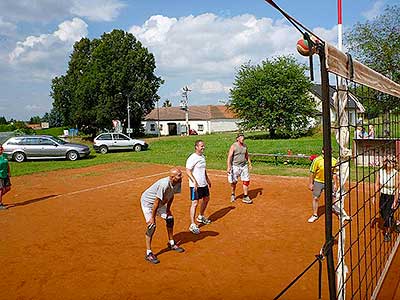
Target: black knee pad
150	230
170	222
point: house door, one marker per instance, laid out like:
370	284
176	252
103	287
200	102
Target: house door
172	129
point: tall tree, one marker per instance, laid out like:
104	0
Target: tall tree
273	96
103	76
3	120
376	43
167	103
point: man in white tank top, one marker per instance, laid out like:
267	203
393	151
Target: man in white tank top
238	164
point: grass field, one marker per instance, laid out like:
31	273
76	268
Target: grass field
174	151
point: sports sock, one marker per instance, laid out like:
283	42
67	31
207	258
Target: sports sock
148	252
171	242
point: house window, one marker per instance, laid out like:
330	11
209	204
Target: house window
200	127
152	127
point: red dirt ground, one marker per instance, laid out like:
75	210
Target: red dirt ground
79	234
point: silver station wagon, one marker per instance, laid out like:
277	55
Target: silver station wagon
109	141
20	148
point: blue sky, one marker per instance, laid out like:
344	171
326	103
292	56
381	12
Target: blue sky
196	43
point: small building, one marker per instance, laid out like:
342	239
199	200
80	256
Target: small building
354	107
202	119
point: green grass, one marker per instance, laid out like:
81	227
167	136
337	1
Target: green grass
174	151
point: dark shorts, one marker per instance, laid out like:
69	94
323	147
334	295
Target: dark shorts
200	193
5	182
385	208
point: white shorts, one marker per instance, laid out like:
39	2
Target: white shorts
237	171
148	209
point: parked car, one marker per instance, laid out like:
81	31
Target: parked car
109	141
20	148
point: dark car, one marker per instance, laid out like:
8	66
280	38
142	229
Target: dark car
20	148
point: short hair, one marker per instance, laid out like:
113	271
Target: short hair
196	143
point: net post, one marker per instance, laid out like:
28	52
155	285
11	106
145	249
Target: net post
326	115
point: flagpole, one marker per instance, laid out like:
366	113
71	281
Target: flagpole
340	26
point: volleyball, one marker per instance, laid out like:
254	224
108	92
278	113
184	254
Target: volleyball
303	46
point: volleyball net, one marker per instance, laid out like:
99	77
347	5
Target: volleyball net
360	117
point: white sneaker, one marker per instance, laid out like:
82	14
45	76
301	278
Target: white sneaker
193	228
312	219
233	198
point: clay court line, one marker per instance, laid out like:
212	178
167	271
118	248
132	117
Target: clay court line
108	185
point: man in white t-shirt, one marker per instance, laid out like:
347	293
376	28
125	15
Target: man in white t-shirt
157	200
199	185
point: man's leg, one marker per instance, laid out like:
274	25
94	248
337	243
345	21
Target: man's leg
169	221
233	188
151	228
203	204
193	226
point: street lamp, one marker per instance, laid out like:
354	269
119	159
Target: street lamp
185	106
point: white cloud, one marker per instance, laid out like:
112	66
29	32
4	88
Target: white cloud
209	87
97	10
374	11
35	49
7	28
45	11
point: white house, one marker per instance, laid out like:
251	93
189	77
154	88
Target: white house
203	119
354	107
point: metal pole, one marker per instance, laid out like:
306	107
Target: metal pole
328	174
158	120
129	119
340	27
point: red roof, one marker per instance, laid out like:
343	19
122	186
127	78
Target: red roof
204	112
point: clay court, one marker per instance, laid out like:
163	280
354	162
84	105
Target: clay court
79	234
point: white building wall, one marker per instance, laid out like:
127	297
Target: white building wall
224	125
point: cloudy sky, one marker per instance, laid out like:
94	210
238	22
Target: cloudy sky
198	43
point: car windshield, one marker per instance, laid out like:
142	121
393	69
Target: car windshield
60	141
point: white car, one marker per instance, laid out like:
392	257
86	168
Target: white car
109	141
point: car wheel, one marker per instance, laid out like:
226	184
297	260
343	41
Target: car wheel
19	156
72	155
103	149
137	148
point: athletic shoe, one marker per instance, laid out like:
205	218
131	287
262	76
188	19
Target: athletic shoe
152	258
313	218
193	228
247	200
175	248
233	198
387	237
346	217
3	207
203	219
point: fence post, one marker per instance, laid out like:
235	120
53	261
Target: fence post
326	117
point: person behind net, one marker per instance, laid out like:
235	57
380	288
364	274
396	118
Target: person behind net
238	165
317	185
386	184
157	200
5	174
199	185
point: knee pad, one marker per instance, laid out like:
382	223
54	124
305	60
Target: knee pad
169	221
246	183
150	230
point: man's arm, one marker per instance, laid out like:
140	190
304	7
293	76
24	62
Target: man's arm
169	204
191	177
208	180
229	160
154	211
311	181
248	159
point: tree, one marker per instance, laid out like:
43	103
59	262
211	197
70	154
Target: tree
3	120
35	120
376	43
103	75
167	103
273	96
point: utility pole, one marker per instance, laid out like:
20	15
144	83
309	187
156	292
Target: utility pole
185	106
128	130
